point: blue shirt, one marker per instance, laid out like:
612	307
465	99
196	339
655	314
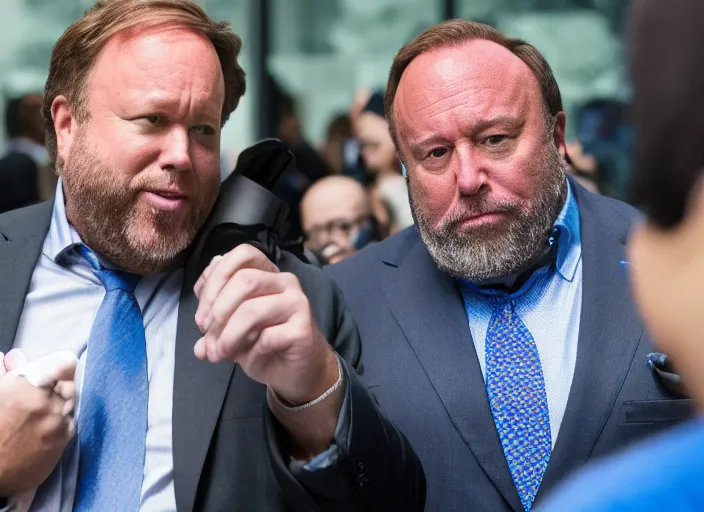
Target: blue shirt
550	311
664	473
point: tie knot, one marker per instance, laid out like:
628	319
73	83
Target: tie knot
502	306
111	279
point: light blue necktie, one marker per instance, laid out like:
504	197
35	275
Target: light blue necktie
516	390
112	423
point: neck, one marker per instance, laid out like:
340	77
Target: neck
514	282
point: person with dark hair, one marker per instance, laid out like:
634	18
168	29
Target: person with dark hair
666	260
228	384
308	166
501	333
388	186
24	164
338	132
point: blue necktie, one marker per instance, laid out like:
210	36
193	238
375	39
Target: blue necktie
516	390
112	423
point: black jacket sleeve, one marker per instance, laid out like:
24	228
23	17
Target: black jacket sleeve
375	468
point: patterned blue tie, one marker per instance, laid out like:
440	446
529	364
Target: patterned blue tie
516	390
112	423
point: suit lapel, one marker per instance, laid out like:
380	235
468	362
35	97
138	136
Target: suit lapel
22	236
610	329
433	320
199	392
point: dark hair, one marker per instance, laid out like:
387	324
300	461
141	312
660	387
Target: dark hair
455	32
13	118
339	127
375	104
668	105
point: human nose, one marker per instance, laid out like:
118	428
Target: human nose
175	154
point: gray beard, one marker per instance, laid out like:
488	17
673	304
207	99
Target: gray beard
495	251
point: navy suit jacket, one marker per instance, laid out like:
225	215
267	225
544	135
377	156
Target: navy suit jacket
421	364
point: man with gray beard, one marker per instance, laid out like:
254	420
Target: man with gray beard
500	334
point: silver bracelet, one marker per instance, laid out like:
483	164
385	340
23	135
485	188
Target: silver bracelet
317	400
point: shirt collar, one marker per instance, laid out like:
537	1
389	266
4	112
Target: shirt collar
569	243
566	233
62	236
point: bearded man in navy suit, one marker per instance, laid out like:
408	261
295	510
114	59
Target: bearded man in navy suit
500	333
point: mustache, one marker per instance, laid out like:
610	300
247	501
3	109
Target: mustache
476	206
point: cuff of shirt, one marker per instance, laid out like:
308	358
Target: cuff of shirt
331	456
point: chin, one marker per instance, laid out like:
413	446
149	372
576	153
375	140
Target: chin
171	238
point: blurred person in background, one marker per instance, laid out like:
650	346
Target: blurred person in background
308	165
339	131
583	167
604	135
666	261
379	154
24	167
337	218
500	332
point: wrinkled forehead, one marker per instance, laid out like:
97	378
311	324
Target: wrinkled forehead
477	75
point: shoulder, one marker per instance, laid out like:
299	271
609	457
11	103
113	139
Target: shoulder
666	469
605	211
392	250
17	169
26	222
16	160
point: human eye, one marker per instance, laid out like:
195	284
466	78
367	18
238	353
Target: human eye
495	140
437	153
204	129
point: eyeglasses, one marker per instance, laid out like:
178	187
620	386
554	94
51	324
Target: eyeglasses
319	235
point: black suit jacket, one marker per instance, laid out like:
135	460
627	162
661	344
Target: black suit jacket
421	364
18	181
228	452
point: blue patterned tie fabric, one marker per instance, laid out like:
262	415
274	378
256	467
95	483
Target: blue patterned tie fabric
112	422
516	391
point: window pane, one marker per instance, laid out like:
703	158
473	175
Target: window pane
322	52
29	29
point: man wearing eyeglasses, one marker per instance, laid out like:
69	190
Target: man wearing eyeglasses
337	219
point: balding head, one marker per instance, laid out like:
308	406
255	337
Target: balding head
462	83
453	33
331	210
484	157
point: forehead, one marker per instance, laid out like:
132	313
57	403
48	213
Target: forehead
159	63
473	80
335	199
